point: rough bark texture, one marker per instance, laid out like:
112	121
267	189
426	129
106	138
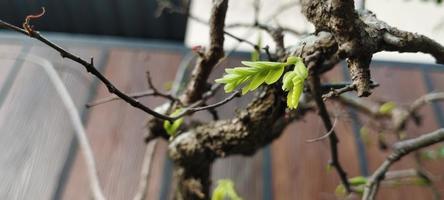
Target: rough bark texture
194	150
198	83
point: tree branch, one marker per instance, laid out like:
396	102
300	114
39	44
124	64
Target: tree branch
400	149
198	83
89	66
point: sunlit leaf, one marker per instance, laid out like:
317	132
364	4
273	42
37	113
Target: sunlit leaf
274	75
252	76
293	82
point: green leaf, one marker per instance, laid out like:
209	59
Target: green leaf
358	184
293	82
358	180
387	107
274	75
256	81
253	75
171	128
301	70
263	64
225	190
340	191
291	60
295	93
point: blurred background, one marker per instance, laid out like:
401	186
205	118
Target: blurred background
39	154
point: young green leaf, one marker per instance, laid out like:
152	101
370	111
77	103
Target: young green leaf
293	82
253	75
225	190
171	128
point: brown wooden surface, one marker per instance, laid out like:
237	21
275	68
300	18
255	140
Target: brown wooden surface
39	158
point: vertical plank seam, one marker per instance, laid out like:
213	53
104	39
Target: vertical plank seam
437	110
267	174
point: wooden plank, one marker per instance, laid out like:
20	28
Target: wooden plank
401	86
116	129
246	172
36	131
436	81
300	168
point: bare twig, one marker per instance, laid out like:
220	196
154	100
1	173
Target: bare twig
325	135
400	149
89	66
348	88
152	92
416	105
323	113
111	98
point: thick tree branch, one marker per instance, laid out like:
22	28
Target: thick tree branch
244	134
198	83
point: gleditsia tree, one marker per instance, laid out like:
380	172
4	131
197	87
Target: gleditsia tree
341	33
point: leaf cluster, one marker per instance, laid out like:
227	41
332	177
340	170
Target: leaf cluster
254	74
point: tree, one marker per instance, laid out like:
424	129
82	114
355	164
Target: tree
342	33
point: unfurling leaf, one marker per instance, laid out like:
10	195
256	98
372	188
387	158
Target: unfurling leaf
255	74
293	82
171	128
225	191
387	107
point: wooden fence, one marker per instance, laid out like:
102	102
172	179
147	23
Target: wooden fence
39	157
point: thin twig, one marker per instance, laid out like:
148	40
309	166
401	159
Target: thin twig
111	98
400	150
325	135
89	66
348	88
416	105
323	113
